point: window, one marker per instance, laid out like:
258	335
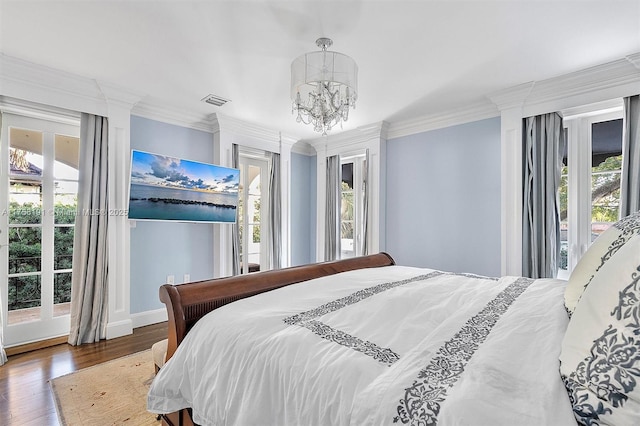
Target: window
352	206
40	204
590	185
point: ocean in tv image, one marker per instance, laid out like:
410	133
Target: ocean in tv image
166	188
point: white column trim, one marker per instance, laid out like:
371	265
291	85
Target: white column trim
119	104
226	132
374	138
285	182
511	191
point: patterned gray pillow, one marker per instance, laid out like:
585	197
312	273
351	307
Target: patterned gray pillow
599	253
600	358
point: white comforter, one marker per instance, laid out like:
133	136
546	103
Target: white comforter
376	346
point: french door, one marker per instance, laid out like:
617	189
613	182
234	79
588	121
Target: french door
253	214
39	184
590	184
352	211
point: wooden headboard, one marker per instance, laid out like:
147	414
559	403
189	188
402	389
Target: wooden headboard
187	303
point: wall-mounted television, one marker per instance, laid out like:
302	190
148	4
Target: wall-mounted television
168	188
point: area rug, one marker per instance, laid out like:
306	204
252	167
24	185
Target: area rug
111	393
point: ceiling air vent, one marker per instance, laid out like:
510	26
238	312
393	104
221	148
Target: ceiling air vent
215	100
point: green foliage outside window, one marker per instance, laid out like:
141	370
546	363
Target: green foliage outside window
605	192
256	220
605	195
25	253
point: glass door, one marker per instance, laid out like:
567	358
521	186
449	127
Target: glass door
352	205
590	186
252	217
38	200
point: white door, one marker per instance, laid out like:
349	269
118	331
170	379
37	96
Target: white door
39	183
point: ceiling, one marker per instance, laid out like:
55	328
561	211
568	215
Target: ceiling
415	58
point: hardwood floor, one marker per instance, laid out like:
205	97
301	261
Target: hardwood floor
25	394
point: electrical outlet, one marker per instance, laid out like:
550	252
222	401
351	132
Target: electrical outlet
170	279
187	278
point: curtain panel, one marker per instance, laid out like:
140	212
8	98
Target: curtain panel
332	207
630	180
543	144
89	284
275	212
365	205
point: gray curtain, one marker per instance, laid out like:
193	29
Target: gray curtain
630	184
235	228
365	205
89	285
275	213
543	144
332	225
3	355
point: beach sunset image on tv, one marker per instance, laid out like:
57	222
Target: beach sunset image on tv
167	188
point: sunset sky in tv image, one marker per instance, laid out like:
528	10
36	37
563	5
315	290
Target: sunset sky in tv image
160	170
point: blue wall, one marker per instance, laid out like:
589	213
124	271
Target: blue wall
443	198
303	209
159	249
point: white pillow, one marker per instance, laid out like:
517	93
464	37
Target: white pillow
599	253
600	357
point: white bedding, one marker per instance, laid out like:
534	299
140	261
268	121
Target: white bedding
376	346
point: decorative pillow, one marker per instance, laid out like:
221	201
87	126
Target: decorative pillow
599	253
600	356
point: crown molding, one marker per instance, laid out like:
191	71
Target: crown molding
26	80
474	112
512	97
601	77
35	83
604	78
39	111
119	95
154	110
243	128
634	59
350	138
611	105
247	129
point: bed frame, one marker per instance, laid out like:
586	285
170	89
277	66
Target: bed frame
187	303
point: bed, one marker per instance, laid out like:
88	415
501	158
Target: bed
364	341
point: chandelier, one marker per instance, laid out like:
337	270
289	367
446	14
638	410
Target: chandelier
324	85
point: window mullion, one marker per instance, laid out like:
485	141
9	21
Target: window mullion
47	226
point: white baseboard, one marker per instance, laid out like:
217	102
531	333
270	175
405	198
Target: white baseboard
119	329
148	317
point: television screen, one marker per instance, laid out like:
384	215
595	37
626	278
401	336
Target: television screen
167	188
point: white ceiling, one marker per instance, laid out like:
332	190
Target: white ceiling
415	58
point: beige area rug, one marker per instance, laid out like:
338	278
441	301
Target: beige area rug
111	393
